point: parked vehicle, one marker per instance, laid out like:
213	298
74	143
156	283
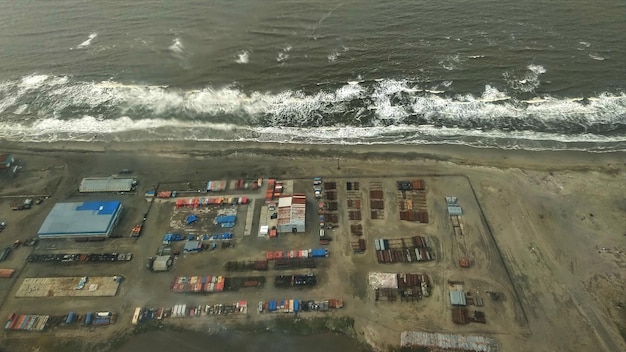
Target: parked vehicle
136	231
26	204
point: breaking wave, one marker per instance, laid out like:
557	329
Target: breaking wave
87	42
243	57
45	108
177	47
283	55
525	81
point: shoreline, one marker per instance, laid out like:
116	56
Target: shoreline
460	155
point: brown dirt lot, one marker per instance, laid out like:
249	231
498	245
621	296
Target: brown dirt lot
549	239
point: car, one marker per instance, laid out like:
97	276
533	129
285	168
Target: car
3	224
126	171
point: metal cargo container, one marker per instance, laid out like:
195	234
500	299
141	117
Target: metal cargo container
88	318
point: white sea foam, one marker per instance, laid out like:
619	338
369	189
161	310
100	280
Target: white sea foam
21	109
177	47
332	57
33	81
13	91
536	69
87	42
585	44
243	57
526	81
284	54
110	108
596	56
451	62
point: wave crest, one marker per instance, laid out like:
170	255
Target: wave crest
396	111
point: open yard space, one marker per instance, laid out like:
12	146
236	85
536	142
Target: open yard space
461	253
68	286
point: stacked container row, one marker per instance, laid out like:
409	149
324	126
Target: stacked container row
304	253
198	284
28	322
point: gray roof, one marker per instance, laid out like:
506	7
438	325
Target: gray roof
191	246
455	210
106	184
457	298
161	262
91	218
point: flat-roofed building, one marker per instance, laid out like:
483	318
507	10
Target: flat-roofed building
81	220
107	184
291	213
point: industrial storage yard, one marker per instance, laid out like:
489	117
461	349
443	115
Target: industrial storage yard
416	259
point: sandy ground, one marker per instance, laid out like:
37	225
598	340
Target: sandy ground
545	229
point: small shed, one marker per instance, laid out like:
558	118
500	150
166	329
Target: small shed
454	210
451	200
192	246
162	263
457	298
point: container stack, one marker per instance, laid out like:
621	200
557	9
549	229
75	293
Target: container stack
102	319
404	250
296	306
196	284
208	201
26	322
303	253
6	273
269	194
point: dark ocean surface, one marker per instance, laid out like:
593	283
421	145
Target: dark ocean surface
513	74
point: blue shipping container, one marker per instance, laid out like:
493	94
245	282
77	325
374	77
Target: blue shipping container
88	318
70	318
318	252
296	305
221	219
101	321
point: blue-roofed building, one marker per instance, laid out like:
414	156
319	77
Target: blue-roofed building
81	220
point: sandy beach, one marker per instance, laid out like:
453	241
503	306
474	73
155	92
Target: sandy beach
553	232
